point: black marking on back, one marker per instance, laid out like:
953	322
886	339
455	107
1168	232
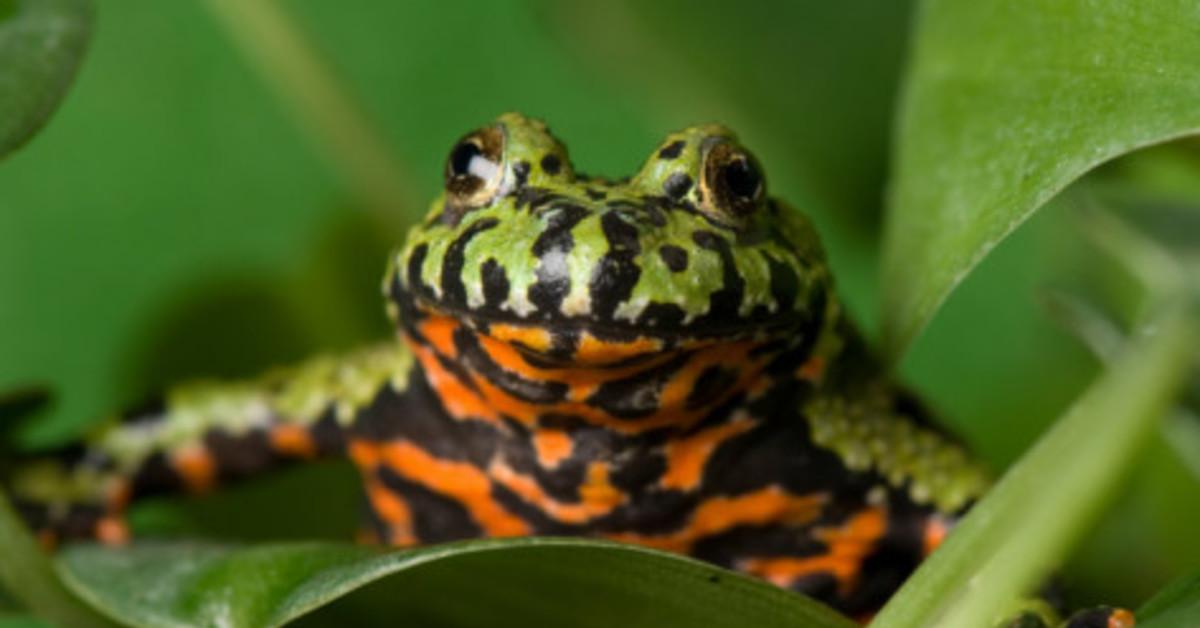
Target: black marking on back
672	150
677	185
661	316
676	258
453	291
535	198
521	172
416	259
723	304
495	283
551	164
553	284
785	285
616	273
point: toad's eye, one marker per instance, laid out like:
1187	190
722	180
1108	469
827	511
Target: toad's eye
733	184
475	168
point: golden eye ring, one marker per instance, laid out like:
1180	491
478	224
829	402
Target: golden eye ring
475	168
732	184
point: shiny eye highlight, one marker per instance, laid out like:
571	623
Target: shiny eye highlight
475	168
732	184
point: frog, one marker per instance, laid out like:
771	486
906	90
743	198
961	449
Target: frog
660	360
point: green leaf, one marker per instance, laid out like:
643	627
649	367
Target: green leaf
519	582
27	575
1019	532
41	45
1006	103
1176	606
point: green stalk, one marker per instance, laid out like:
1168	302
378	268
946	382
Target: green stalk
1028	523
288	61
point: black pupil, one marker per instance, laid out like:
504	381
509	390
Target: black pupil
461	156
741	178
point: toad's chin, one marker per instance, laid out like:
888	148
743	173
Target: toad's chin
555	340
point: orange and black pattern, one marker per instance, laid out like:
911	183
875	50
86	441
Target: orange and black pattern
697	448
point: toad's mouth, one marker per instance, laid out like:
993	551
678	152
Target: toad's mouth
558	339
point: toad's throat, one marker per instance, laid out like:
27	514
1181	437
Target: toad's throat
629	387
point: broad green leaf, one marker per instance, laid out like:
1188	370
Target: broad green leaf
1176	606
41	45
1008	101
1019	532
27	575
518	582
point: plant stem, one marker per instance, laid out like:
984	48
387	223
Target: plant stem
287	60
1017	534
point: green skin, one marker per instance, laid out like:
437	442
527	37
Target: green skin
786	237
764	243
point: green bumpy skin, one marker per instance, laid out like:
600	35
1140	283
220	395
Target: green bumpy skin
659	360
762	239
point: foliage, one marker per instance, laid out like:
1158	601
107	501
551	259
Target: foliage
517	582
42	44
1006	103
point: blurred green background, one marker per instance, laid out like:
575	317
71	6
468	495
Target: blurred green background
175	220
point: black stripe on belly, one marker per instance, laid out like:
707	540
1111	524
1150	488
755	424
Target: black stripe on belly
540	521
561	483
760	541
636	396
436	517
476	359
713	382
417	416
778	451
650	512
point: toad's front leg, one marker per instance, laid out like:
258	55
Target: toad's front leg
198	436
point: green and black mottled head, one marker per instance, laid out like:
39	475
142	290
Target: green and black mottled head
689	247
